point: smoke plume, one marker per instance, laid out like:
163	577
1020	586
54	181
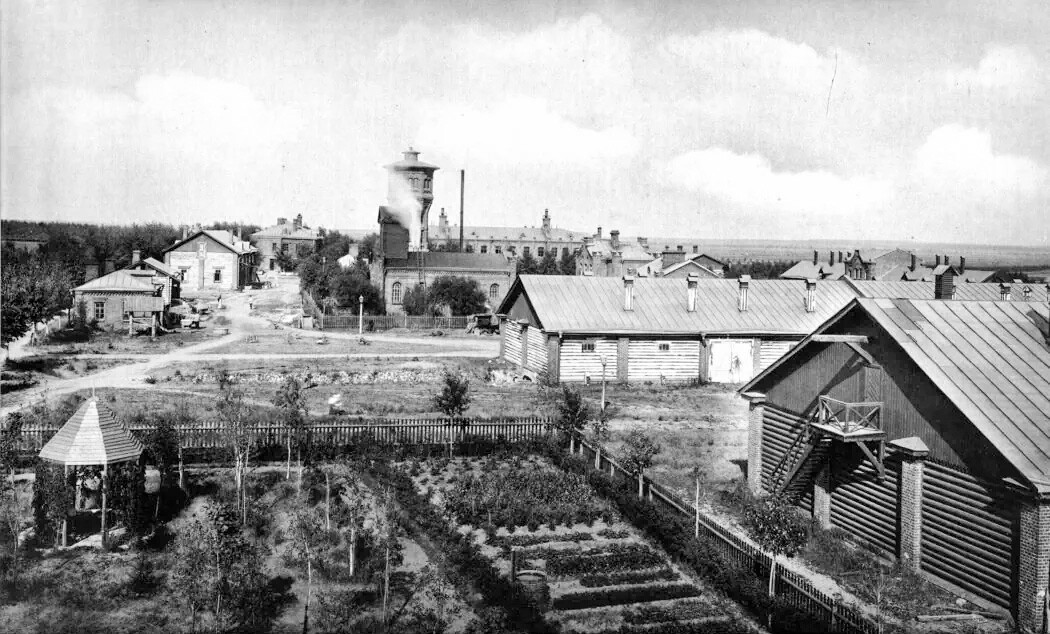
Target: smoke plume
404	206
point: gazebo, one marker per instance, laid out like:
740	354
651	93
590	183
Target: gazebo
91	437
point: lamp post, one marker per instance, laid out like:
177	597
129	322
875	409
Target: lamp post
603	385
360	313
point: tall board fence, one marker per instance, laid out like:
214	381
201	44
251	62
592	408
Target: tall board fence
388	431
789	585
373	323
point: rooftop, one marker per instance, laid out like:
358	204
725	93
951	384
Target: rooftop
92	436
118	281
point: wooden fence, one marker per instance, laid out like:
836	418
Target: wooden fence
395	431
374	323
788	584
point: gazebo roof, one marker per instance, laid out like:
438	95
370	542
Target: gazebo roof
92	436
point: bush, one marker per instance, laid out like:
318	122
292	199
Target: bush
682	611
628	577
610	558
617	596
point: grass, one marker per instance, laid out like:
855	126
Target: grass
301	342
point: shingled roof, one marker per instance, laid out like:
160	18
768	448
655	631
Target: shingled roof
585	304
92	436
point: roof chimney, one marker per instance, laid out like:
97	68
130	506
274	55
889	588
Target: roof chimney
136	255
1004	292
962	264
811	295
946	260
670	258
185	232
690	284
1027	292
628	292
815	257
840	257
914	262
599	234
614	238
831	258
937	260
944	284
741	300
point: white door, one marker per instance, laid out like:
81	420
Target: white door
732	361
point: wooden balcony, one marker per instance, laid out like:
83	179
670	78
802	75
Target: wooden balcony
849	422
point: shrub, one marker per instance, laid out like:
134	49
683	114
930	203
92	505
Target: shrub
628	577
454	398
617	596
607	558
681	611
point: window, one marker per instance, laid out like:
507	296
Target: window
273	247
499	249
484	248
218	276
588	346
272	264
284	248
539	251
426	184
100	310
564	252
525	251
696	249
395	293
494	292
665	347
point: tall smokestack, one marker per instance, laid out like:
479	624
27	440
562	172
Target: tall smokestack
462	181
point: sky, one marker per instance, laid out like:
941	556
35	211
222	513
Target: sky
900	120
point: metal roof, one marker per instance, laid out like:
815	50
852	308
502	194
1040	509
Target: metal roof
987	291
602	247
288	232
451	260
805	270
92	436
118	281
991	359
222	236
530	234
593	305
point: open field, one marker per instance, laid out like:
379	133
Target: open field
300	341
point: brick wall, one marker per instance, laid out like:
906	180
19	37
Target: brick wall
910	541
1034	565
754	443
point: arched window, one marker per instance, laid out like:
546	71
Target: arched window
494	292
395	293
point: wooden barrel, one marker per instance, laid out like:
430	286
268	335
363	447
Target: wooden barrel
534	582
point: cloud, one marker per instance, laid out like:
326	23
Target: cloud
1007	69
749	181
957	161
519	132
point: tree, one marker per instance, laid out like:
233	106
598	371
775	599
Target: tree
526	264
291	405
348	285
369	247
414	301
573	414
163	446
775	525
236	433
355	503
462	295
638	452
307	539
454	398
548	265
567	263
599	433
33	291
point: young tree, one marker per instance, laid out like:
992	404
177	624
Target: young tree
355	504
638	452
291	405
567	263
454	397
236	433
307	538
386	541
774	524
599	433
573	414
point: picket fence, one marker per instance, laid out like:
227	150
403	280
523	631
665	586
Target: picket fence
339	433
788	584
374	323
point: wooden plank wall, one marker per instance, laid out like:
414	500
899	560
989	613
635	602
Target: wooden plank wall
770	351
512	342
536	341
577	365
969	531
646	362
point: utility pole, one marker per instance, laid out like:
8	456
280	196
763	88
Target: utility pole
462	179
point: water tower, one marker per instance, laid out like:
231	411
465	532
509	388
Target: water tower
419	177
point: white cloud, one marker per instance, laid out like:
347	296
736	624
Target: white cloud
958	162
519	132
749	181
1009	69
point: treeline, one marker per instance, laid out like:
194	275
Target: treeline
758	269
547	265
332	286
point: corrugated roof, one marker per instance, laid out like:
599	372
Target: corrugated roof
991	359
986	291
92	436
585	304
117	281
446	259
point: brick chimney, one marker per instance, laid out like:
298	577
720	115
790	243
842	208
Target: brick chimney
811	295
298	224
1004	292
670	258
914	262
628	292
691	283
442	221
962	264
136	255
741	300
616	260
185	232
831	258
944	284
840	257
1027	292
937	260
599	234
614	238
815	257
